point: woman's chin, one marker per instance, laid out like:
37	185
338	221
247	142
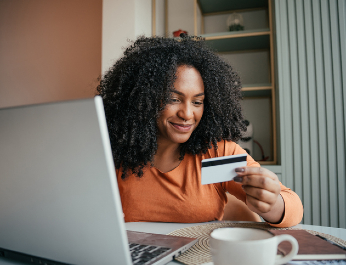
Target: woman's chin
180	139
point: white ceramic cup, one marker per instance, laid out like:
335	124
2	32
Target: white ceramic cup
248	246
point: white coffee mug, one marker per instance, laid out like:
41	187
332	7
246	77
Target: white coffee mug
248	246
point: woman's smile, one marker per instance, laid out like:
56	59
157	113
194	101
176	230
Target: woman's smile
182	127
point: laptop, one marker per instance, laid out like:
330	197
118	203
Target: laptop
59	199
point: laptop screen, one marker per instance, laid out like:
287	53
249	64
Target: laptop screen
58	195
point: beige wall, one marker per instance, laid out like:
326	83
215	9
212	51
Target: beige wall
118	25
49	50
123	21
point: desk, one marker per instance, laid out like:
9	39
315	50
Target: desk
165	228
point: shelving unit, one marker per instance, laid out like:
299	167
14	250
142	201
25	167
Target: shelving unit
252	40
219	6
240	41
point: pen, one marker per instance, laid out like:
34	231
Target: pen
331	242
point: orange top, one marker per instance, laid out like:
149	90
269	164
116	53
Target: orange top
179	196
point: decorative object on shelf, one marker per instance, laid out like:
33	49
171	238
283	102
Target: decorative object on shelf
235	22
264	158
178	32
246	141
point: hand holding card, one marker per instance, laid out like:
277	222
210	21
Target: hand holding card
262	188
221	169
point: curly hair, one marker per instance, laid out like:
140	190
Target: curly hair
138	86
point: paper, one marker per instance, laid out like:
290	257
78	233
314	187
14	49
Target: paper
317	262
221	169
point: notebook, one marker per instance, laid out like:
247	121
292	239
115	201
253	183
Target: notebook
59	199
311	247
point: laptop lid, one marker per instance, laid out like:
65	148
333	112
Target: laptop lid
51	156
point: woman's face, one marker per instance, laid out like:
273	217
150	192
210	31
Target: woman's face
183	113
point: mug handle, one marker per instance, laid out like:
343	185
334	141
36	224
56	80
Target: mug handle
293	252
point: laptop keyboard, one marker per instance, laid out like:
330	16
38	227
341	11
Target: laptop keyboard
144	254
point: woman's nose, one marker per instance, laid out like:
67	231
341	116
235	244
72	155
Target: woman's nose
186	112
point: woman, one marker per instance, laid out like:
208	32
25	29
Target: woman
169	104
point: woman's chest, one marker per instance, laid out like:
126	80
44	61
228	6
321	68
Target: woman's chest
179	198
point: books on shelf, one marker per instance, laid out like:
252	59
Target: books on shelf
311	247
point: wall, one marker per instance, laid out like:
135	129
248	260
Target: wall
49	50
160	18
122	21
143	18
118	25
181	16
311	52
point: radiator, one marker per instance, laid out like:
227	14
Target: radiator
311	72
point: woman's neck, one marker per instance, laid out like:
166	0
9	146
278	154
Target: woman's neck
167	156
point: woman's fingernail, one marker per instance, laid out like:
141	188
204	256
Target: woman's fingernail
239	169
238	179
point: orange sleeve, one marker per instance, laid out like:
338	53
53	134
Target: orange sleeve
293	208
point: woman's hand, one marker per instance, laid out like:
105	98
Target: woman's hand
262	188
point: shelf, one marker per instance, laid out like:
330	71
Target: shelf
257	90
213	6
253	87
267	162
238	40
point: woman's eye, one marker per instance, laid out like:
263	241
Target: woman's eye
198	103
174	100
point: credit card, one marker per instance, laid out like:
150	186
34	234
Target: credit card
221	169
